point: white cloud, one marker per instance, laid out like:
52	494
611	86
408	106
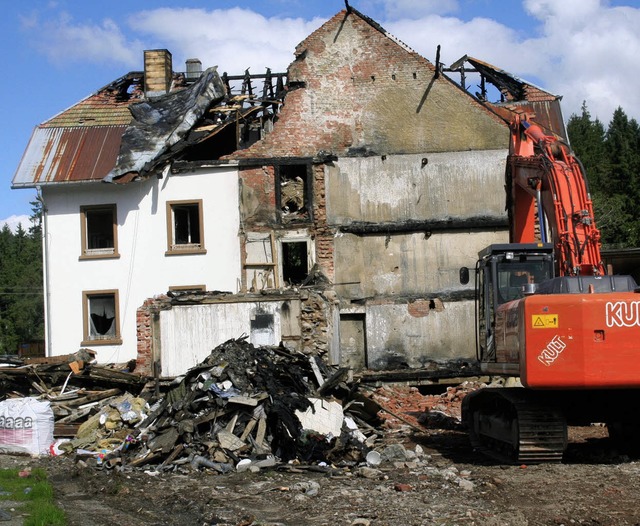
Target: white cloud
233	39
590	55
13	221
63	40
581	49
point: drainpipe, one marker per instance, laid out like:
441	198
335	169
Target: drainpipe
45	269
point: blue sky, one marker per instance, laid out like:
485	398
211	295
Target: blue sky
56	52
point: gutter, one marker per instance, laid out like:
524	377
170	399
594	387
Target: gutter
45	268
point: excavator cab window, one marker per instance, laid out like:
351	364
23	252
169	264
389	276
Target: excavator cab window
512	276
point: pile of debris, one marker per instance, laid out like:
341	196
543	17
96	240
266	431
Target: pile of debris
408	406
73	385
243	407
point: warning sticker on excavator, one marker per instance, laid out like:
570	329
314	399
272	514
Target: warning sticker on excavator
544	321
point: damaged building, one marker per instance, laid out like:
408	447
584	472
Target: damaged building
327	208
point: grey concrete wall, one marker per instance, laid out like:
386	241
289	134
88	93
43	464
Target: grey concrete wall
401	188
406	264
397	339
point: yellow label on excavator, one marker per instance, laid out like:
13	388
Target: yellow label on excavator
544	321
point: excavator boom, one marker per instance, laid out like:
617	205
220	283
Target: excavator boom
548	184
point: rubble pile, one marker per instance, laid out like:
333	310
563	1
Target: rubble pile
407	406
242	408
73	385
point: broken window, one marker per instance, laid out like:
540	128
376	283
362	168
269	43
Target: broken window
294	195
294	262
101	321
185	233
98	231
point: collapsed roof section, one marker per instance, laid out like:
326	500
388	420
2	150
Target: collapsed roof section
80	143
159	125
514	94
180	125
117	134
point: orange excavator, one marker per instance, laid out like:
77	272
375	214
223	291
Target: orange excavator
548	313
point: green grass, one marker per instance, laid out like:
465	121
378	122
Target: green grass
35	493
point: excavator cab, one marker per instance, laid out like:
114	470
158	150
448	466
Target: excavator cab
505	273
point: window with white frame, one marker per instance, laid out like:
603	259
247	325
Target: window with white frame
98	227
101	317
185	230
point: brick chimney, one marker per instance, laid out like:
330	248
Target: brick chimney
158	72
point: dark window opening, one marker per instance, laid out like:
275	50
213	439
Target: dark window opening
185	234
295	267
186	221
294	195
262	322
98	231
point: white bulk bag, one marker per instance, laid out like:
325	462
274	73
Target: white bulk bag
26	426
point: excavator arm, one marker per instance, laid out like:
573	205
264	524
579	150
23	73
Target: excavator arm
547	182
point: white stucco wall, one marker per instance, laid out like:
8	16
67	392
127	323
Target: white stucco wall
142	270
188	333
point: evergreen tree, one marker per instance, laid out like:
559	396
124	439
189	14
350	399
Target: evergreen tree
612	163
21	297
588	142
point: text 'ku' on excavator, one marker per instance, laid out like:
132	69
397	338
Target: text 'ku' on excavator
548	313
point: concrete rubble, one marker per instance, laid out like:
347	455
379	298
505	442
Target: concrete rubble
242	409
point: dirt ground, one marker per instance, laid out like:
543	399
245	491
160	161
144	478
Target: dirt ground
435	478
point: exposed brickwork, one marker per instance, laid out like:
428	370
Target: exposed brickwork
144	327
355	90
314	321
422	307
258	195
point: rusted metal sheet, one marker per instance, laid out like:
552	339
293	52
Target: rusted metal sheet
519	96
56	155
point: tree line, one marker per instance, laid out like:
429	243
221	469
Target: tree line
611	158
21	290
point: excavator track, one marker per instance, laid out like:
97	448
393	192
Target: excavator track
511	426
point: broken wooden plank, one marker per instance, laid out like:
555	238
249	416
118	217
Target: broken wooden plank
75	415
248	428
50	360
316	371
243	400
104	373
232	423
65	430
174	454
333	380
99	395
262	430
140	461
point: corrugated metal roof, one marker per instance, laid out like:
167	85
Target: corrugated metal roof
547	113
69	154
